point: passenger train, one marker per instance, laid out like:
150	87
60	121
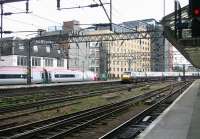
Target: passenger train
145	76
18	75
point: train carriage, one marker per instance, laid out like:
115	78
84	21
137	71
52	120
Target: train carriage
18	75
128	77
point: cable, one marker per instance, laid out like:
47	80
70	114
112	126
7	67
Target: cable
85	6
22	22
32	14
44	18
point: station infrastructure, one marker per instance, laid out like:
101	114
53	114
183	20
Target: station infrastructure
182	29
181	119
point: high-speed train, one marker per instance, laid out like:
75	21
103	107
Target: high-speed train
145	76
18	75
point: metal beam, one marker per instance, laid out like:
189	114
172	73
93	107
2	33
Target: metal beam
70	38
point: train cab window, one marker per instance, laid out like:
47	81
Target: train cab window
127	73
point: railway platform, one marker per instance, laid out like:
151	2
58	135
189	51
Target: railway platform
181	120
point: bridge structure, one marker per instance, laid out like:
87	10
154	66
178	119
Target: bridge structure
177	29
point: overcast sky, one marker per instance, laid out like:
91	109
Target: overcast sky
123	10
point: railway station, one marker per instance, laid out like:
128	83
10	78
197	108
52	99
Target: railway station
99	69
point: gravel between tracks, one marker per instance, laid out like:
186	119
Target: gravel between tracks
94	102
94	132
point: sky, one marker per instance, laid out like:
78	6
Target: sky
44	13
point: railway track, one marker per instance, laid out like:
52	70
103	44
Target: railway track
51	88
19	95
57	100
50	101
134	126
13	118
67	124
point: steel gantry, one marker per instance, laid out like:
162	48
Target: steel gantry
80	38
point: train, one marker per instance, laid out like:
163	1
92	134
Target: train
18	75
128	77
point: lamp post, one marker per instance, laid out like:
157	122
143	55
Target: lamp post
164	8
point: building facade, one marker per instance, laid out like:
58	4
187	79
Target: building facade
110	58
126	55
157	45
14	53
180	62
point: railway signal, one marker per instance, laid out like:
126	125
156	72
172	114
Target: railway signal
194	8
195	15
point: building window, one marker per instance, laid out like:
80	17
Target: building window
92	62
48	49
97	70
35	48
97	62
48	62
21	47
36	61
60	62
92	69
21	61
94	44
75	62
97	55
58	51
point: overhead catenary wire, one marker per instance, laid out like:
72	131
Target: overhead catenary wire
85	6
35	15
50	20
22	22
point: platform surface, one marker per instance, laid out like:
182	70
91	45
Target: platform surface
181	120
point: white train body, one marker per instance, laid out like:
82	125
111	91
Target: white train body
18	75
142	76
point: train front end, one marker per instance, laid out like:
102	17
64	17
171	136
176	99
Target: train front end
126	77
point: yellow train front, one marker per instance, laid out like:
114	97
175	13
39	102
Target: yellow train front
127	77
